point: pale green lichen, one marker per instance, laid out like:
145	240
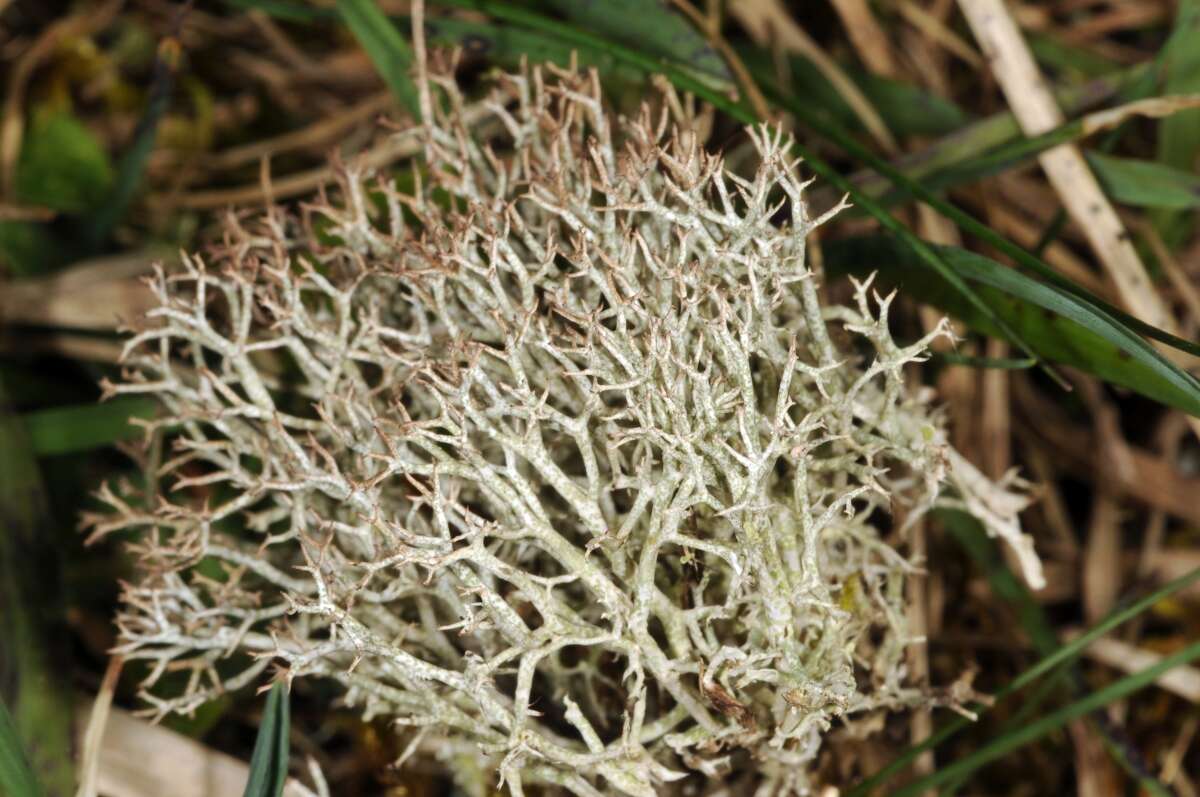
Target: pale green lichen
558	460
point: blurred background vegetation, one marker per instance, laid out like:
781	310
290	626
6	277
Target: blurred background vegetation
131	129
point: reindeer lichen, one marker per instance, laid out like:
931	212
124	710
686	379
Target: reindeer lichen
556	459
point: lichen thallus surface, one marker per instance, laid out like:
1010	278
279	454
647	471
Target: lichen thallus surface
553	459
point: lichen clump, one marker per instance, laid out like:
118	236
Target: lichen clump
554	458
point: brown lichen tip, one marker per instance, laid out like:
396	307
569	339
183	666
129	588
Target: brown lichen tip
551	458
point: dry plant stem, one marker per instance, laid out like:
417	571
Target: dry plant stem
12	123
1096	774
287	187
555	462
1148	478
1037	112
711	28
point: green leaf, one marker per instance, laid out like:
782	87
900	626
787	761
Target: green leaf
16	778
64	430
62	166
387	49
1179	136
651	26
269	762
1057	325
1145	184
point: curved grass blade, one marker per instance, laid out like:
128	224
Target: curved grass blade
988	134
65	430
16	778
269	762
1058	325
966	221
1066	653
971	536
1145	184
1019	737
387	49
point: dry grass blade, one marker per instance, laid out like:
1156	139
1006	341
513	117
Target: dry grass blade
1183	681
1149	478
93	737
139	759
318	134
96	294
13	119
768	20
1037	112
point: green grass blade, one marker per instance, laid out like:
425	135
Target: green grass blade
16	778
1051	51
657	28
1058	325
388	50
65	430
269	762
970	534
32	679
1145	184
1036	729
133	163
967	222
993	132
1066	653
